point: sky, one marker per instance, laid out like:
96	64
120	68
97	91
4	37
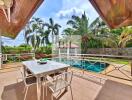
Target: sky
61	11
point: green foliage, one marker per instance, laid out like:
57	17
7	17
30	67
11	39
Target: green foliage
16	50
97	34
45	50
129	43
37	36
48	50
90	43
79	24
26	49
117	31
94	43
125	37
32	33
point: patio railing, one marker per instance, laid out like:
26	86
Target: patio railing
120	68
17	57
124	69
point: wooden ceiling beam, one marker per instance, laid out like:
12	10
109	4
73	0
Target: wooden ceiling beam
21	12
116	13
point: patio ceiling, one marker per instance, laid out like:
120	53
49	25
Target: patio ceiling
116	13
21	12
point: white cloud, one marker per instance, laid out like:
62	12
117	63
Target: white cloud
76	7
69	7
72	7
69	12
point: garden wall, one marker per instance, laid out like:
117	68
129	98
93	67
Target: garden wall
111	51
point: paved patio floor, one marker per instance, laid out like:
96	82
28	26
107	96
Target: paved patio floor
82	89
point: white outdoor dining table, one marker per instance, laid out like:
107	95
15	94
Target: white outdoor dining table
41	70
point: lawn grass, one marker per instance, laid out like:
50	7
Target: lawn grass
118	61
114	60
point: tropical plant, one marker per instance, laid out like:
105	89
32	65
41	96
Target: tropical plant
79	24
125	36
54	28
98	27
68	31
27	32
109	38
32	33
97	32
45	37
117	31
3	49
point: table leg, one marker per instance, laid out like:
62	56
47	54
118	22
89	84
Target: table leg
38	88
44	88
131	67
66	89
24	69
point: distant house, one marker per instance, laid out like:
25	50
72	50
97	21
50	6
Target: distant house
69	49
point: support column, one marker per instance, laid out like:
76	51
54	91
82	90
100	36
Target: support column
59	51
68	50
75	51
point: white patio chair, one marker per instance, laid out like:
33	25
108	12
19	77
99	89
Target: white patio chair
60	82
4	58
28	81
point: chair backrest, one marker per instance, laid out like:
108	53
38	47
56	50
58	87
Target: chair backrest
22	75
4	57
66	76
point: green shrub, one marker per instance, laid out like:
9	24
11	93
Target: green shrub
45	50
18	49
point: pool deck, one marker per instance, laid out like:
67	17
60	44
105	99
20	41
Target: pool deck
10	89
109	73
85	85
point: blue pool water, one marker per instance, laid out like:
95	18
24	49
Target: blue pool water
84	64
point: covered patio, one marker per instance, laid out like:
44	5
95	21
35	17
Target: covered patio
83	89
85	85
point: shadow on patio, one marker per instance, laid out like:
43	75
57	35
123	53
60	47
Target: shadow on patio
82	90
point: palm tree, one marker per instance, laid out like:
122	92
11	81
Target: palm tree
32	32
125	36
98	27
109	38
34	41
37	21
79	24
54	28
68	31
27	32
45	37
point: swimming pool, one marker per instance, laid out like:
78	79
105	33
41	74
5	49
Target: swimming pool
84	64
